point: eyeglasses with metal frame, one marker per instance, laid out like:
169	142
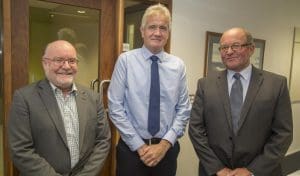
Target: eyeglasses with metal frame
61	61
233	47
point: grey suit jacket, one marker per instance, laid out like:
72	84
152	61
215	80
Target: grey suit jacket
265	127
37	138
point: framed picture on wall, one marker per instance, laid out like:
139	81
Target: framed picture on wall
213	60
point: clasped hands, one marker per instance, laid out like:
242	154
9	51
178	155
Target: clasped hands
235	172
151	155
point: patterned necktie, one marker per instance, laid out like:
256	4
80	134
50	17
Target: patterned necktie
154	103
236	101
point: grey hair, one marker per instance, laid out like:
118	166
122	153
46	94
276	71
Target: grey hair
249	37
157	9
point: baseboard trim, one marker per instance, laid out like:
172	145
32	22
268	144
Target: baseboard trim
291	163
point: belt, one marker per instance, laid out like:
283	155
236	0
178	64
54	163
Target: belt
152	141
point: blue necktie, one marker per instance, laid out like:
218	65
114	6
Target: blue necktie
236	101
154	103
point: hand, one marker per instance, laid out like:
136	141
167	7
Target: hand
155	153
224	172
142	150
240	172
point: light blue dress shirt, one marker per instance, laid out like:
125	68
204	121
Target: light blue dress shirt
128	96
245	79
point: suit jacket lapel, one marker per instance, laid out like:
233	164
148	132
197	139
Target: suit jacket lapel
81	109
223	93
50	103
254	85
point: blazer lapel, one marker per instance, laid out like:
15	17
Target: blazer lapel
81	109
50	103
223	93
254	85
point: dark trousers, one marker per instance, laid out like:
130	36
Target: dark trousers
130	164
201	171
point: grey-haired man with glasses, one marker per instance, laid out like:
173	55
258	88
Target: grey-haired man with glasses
57	127
241	119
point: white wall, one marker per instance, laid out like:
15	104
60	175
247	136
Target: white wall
271	20
295	81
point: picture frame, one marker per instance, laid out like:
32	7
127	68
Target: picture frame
213	60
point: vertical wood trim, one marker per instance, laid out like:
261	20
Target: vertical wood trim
108	55
120	25
19	43
119	48
107	39
16	39
8	167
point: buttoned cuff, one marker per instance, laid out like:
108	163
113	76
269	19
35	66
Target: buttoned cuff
135	143
171	137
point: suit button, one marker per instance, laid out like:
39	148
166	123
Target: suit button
230	138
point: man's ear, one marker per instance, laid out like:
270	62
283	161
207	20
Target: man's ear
142	31
252	49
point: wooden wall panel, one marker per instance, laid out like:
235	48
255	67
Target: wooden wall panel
107	39
19	43
8	168
108	57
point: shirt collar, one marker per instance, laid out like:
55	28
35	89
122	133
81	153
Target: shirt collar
55	88
147	54
245	74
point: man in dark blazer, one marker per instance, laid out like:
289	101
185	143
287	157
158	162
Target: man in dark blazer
257	142
57	127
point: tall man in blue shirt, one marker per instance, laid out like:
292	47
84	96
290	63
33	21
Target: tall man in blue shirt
141	152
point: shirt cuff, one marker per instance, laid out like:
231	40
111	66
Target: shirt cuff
171	137
135	143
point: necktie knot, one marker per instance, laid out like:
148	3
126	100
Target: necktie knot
237	76
154	58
